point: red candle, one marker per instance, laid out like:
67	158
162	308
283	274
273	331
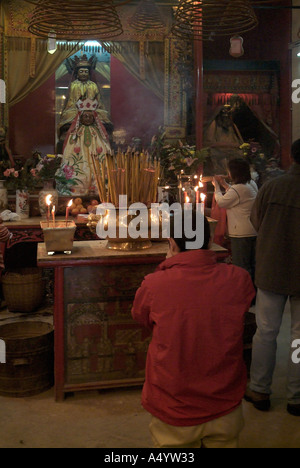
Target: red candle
197	195
67	210
53	215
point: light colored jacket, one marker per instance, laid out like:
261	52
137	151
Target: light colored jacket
238	201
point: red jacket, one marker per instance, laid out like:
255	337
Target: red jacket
195	307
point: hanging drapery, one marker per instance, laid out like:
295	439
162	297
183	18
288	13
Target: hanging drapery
128	53
25	55
20	66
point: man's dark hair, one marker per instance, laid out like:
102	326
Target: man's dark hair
295	151
239	169
181	242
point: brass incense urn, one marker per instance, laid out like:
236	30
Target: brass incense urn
123	231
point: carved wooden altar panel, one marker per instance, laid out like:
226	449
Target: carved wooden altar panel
102	342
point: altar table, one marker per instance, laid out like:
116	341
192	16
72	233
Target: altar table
97	343
29	230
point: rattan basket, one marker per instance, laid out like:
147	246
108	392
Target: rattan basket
23	289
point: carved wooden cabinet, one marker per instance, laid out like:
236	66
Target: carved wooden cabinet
97	343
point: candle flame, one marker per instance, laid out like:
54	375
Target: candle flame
196	188
70	203
53	209
48	200
187	199
202	196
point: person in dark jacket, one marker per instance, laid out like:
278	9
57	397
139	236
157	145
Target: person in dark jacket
195	372
276	217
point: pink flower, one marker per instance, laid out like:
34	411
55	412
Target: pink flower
7	173
33	172
16	174
68	172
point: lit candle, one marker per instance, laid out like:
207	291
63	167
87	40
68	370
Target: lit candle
197	194
202	196
186	198
67	210
53	215
48	203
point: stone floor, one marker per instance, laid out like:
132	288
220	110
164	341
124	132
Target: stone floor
115	418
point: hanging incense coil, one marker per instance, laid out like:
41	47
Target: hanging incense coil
205	19
263	2
75	19
147	16
117	3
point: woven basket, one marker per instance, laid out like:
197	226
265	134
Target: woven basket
23	289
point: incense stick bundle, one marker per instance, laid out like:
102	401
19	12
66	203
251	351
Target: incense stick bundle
131	173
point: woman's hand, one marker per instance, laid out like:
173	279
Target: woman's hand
221	180
215	182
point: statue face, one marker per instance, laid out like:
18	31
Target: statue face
83	74
87	118
224	118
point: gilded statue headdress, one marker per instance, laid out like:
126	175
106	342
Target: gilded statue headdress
73	64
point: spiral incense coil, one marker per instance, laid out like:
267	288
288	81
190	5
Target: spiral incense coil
204	19
75	19
264	2
146	16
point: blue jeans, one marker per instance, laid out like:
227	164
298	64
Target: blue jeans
269	312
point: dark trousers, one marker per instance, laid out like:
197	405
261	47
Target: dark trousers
243	253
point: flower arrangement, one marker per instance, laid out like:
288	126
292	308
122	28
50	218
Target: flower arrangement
4	165
46	167
184	158
252	150
177	159
18	179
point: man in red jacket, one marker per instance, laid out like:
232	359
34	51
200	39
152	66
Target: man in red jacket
195	373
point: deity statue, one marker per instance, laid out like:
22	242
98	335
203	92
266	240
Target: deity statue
224	140
86	137
82	88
